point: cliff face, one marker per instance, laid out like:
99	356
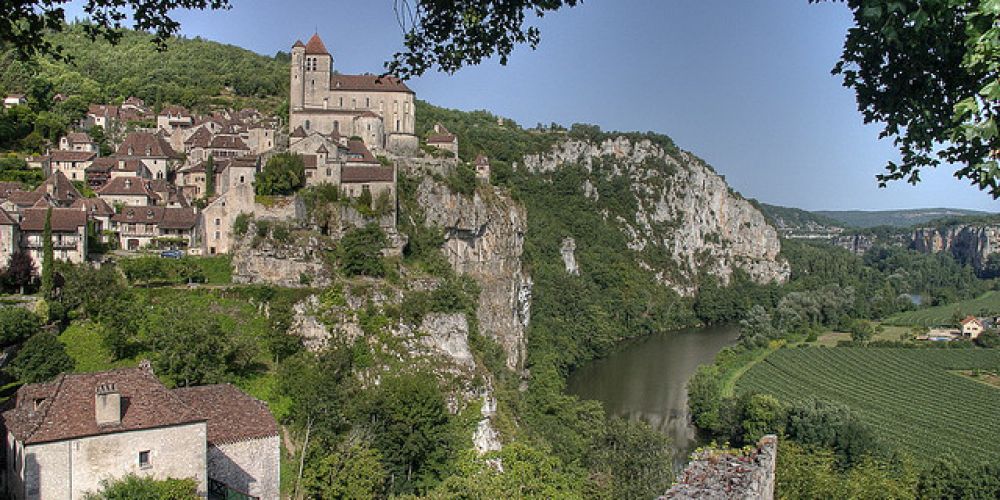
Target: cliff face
683	210
484	239
969	244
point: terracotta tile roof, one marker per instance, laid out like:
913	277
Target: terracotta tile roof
310	161
971	319
145	144
67	411
357	152
26	199
63	155
369	83
59	188
315	46
78	138
5	219
441	139
174	111
165	217
105	110
482	161
299	132
201	138
232	414
63	219
6	188
322	149
367	114
228	142
103	164
365	174
124	186
93	207
298	43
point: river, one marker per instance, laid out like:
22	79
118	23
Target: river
647	379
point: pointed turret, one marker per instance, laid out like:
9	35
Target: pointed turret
315	46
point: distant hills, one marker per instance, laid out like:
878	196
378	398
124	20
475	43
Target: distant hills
862	219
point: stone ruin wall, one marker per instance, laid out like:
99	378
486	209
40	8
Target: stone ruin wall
729	474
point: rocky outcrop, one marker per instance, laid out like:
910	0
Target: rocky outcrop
484	239
684	211
568	251
448	336
295	263
733	474
969	244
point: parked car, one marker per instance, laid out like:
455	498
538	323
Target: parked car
172	254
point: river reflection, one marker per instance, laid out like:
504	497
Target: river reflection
646	379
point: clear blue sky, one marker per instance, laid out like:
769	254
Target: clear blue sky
744	85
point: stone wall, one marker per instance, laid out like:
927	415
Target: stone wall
70	469
251	467
730	474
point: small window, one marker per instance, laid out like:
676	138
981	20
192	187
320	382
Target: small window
218	222
144	460
217	235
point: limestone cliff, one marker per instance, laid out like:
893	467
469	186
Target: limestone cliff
684	211
968	243
484	238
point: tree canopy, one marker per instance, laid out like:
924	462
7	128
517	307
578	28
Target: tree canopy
927	70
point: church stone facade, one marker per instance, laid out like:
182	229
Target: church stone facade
378	109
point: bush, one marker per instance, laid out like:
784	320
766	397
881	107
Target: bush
133	487
17	324
42	358
242	224
988	339
360	251
462	180
284	174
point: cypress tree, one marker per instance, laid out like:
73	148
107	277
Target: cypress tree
209	177
47	256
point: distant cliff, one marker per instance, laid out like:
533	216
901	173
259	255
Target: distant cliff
969	244
677	213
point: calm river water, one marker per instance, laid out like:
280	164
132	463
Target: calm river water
646	379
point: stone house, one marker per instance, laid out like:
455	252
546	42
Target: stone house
443	139
10	237
235	172
215	225
77	141
72	163
143	227
482	168
99	171
64	437
154	151
101	115
98	212
14	100
131	191
380	110
971	327
69	234
173	118
59	190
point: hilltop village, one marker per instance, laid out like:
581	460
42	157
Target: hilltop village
175	180
170	183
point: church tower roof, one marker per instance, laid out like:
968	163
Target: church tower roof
315	46
298	43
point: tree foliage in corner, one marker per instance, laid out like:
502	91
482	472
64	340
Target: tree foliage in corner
928	70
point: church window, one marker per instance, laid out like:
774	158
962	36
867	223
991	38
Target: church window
329	172
307	124
336	126
341	102
397	125
368	102
395	106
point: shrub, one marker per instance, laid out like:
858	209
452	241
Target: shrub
361	251
17	324
284	174
242	224
42	358
462	180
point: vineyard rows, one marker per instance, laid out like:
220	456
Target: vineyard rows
943	315
911	397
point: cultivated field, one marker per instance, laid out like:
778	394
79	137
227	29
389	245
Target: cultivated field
988	303
912	397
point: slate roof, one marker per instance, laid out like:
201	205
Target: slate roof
201	138
26	199
5	219
366	174
368	83
441	139
78	138
103	164
67	407
145	144
299	132
63	219
103	110
357	152
6	188
126	186
232	414
315	46
59	187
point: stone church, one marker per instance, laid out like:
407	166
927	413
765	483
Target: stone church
379	110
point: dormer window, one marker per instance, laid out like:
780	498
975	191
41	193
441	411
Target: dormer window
37	403
149	214
131	151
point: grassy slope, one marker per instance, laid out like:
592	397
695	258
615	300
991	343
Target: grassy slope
988	303
911	397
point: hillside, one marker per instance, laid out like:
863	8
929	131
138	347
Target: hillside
797	223
895	218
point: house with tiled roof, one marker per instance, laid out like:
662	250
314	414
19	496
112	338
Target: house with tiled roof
12	100
101	115
66	436
69	234
146	227
98	213
153	149
443	139
77	141
131	191
172	118
59	189
379	109
72	163
482	165
10	237
972	327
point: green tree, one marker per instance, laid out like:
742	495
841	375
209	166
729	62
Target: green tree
209	177
351	470
927	70
361	251
19	272
762	414
756	327
40	359
284	174
17	324
862	331
190	347
48	260
132	487
630	460
527	473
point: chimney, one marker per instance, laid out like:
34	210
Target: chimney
108	405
